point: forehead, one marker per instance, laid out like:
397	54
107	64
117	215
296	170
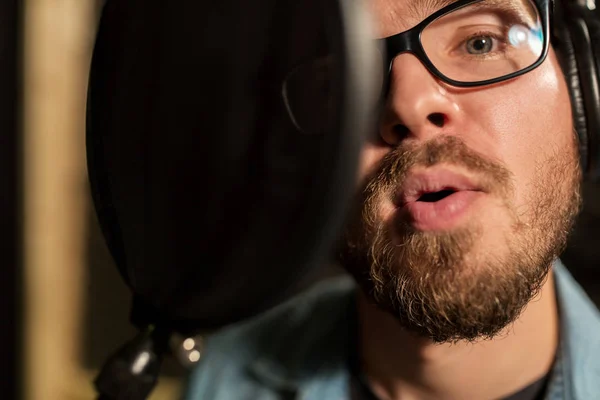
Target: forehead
394	16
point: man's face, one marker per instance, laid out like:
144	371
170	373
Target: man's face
467	195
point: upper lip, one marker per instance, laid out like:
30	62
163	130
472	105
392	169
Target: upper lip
417	184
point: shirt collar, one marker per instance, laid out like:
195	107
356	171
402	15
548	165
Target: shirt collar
310	353
577	367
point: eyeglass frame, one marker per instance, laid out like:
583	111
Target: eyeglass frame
409	41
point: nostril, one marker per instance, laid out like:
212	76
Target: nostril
438	119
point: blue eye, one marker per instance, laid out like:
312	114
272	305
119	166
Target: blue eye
480	45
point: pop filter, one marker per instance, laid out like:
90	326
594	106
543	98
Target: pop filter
222	143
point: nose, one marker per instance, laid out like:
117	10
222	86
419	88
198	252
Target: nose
418	106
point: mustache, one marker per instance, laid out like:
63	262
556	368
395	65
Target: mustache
395	165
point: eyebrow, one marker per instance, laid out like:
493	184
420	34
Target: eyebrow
524	9
422	9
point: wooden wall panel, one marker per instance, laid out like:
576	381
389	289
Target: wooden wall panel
58	40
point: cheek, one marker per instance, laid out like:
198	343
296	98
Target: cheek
531	124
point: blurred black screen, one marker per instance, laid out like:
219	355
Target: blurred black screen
10	196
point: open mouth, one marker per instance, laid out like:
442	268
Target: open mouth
432	197
433	186
436	199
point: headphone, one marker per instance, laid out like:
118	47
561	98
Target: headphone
576	39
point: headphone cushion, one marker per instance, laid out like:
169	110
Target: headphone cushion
591	93
568	61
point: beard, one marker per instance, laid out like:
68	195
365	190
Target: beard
452	286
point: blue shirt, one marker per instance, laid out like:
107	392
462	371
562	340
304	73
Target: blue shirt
300	350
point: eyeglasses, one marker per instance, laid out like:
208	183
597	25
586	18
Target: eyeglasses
465	44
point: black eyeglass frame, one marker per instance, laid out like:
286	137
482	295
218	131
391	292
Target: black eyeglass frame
410	42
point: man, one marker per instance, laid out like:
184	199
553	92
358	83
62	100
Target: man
467	195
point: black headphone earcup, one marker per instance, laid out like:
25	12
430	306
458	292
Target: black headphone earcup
579	53
591	93
565	51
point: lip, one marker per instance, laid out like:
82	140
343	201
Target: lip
442	214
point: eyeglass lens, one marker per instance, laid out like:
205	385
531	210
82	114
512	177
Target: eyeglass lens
485	40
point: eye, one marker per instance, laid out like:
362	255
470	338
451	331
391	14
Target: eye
480	45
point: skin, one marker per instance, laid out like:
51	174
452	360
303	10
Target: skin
520	124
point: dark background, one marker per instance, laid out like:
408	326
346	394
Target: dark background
582	257
9	197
